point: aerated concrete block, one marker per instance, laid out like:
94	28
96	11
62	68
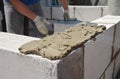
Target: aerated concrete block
57	13
85	13
103	77
17	66
117	65
46	12
109	71
105	10
117	39
98	54
54	13
14	65
114	7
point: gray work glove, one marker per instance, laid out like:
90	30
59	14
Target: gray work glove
41	25
66	15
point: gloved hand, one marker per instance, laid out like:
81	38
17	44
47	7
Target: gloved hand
42	24
66	15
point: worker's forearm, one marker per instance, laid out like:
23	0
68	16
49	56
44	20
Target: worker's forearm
64	4
23	9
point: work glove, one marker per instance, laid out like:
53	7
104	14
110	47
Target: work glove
66	15
43	25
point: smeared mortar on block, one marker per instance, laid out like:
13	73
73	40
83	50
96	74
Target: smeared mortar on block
60	44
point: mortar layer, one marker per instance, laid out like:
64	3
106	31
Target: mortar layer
60	44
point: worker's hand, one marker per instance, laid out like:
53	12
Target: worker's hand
66	15
41	25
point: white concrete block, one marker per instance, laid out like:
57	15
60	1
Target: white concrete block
12	42
109	71
46	12
108	21
105	10
17	66
117	39
57	13
14	65
103	77
117	65
114	7
87	13
98	55
71	67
